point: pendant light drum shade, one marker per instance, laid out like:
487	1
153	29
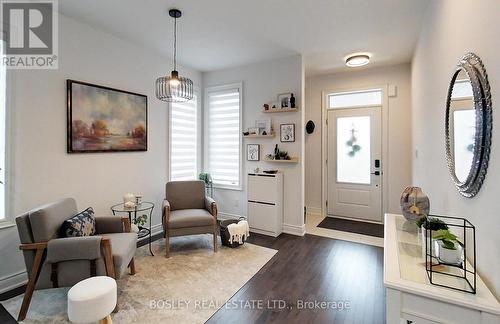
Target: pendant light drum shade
174	88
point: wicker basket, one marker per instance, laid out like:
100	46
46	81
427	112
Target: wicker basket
224	233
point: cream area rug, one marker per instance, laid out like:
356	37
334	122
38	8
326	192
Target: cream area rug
186	288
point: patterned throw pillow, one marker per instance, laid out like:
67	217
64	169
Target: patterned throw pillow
82	224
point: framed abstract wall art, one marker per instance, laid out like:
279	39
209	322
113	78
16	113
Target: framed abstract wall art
287	132
253	152
102	119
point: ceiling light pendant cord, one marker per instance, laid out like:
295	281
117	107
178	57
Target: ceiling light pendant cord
175	44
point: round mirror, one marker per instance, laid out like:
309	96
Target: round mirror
468	125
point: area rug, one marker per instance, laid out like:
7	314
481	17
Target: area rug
351	226
186	288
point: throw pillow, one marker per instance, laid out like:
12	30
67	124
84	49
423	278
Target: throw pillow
82	224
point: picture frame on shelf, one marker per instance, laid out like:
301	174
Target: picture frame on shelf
263	126
253	152
287	132
284	100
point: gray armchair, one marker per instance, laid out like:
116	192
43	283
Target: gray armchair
53	262
187	211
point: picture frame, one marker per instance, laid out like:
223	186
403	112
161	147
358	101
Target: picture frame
284	100
253	152
287	132
103	119
263	126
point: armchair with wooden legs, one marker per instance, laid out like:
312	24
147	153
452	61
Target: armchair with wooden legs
53	262
187	211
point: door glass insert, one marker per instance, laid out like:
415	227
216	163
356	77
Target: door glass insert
353	150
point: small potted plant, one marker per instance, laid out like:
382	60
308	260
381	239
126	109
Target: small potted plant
425	223
449	249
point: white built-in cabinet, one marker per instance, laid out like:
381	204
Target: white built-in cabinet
265	203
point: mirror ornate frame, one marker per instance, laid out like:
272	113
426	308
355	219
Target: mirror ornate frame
474	68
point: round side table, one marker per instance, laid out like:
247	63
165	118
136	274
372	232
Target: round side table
145	206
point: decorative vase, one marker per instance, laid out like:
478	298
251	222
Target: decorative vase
414	203
292	101
128	197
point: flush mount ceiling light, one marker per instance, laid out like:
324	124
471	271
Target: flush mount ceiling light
355	60
174	88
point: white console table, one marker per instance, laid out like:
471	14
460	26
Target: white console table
411	298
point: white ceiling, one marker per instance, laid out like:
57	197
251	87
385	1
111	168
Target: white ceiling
217	34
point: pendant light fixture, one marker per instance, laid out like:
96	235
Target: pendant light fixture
174	88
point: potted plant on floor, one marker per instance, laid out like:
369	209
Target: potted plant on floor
449	249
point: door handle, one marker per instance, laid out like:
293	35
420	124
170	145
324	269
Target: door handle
377	173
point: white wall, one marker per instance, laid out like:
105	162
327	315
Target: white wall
399	152
262	82
43	171
445	38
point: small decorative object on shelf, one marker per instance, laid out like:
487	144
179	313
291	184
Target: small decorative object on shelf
292	101
414	203
450	251
429	225
266	107
138	199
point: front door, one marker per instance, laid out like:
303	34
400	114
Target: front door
354	166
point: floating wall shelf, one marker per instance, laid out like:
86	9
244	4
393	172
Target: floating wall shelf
260	136
281	110
292	160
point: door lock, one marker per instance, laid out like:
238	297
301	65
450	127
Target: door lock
377	173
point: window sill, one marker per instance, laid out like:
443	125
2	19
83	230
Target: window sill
228	188
6	224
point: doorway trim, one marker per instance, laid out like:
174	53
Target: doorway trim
385	138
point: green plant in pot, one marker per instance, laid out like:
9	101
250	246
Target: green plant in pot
426	224
449	249
283	155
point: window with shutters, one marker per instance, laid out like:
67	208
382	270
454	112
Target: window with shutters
223	135
185	140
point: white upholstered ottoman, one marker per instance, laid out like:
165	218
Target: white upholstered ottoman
92	300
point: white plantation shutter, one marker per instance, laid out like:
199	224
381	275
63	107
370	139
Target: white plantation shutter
184	119
223	135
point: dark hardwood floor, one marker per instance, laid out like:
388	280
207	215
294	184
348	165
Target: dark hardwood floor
305	269
309	269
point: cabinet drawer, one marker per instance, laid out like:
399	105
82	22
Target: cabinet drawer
262	216
262	189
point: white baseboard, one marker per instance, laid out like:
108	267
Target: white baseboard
13	281
314	211
224	216
294	229
155	229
